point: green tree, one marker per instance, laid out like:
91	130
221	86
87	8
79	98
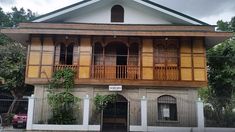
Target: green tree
226	26
221	77
4	18
13	55
12	69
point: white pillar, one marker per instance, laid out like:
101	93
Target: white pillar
144	113
86	110
30	113
200	115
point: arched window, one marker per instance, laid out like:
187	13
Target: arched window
117	14
167	108
66	54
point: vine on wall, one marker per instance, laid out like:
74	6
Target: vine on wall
101	101
64	102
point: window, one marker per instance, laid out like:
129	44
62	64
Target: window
166	59
166	52
66	54
117	14
167	110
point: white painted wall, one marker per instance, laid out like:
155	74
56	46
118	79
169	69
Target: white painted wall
101	13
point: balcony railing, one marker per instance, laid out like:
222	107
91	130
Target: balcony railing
124	72
116	72
61	67
168	73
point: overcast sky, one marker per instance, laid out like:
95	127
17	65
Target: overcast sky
206	10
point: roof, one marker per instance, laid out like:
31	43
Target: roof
147	3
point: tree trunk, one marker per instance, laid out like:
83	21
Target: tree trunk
17	95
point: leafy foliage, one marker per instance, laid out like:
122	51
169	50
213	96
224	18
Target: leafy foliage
221	61
12	65
62	103
226	26
101	101
220	95
13	57
16	16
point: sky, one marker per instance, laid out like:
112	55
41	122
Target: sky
209	11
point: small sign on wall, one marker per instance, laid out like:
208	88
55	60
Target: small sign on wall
115	88
166	112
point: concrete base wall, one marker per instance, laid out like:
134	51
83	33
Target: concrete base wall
186	107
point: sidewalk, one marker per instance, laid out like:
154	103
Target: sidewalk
11	129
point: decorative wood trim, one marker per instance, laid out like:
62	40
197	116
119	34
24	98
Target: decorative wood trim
28	54
192	67
41	52
118	32
144	83
85	26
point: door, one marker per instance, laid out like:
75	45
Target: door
115	115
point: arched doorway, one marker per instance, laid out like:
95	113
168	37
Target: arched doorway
115	115
116	54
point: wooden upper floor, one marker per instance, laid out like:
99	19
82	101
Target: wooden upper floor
105	60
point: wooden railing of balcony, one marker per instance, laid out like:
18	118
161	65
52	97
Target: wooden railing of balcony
61	67
166	72
116	72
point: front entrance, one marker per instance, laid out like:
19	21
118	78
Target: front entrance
115	115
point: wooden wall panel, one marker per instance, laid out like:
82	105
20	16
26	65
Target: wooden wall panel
199	61
147	45
84	72
41	57
186	74
47	58
147	59
185	46
35	43
48	44
46	71
199	75
186	60
147	73
85	57
85	45
198	45
33	71
34	58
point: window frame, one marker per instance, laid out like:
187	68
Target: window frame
169	104
117	14
66	47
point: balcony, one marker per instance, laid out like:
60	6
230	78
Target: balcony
62	67
120	72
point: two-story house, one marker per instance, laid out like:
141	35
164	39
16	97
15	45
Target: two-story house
141	47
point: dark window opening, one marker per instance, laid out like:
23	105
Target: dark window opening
167	108
121	51
66	54
62	53
98	54
117	14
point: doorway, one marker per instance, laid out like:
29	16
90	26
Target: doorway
115	115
